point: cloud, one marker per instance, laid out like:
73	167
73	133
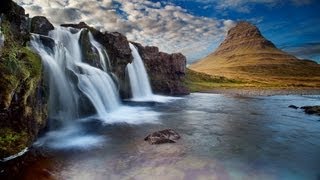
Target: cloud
168	26
245	6
305	51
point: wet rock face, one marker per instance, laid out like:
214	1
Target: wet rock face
311	110
41	25
163	136
166	71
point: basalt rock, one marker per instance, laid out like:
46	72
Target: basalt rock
163	136
41	25
166	71
311	110
293	107
15	14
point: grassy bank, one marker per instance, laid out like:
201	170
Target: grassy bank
201	82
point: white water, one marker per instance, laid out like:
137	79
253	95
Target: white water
104	58
139	81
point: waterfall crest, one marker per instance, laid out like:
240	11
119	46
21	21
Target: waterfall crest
139	81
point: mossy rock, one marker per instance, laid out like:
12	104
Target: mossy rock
12	142
22	111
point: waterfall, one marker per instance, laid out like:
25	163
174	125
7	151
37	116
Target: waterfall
102	53
69	77
139	81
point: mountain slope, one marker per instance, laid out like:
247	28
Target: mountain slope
245	54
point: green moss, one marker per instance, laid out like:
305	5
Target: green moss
12	142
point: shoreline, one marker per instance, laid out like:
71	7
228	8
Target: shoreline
262	92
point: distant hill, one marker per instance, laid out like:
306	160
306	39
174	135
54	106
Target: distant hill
247	56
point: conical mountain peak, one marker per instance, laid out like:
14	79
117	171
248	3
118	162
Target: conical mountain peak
246	36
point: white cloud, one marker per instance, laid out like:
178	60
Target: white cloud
245	6
165	25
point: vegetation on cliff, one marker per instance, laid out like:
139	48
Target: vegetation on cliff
22	113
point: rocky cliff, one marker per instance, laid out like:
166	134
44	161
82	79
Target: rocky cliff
22	99
166	71
245	54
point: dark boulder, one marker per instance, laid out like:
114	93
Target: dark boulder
163	136
293	107
41	25
13	13
311	110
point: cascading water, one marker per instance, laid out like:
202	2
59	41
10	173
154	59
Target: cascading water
69	78
66	59
139	81
102	53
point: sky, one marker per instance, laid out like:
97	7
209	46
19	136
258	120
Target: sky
192	27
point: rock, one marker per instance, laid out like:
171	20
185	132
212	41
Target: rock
163	136
166	71
19	25
293	107
311	110
41	25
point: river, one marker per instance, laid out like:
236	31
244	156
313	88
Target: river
223	137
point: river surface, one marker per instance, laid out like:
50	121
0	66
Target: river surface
223	137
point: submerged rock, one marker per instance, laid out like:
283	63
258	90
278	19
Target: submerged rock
163	136
311	110
293	107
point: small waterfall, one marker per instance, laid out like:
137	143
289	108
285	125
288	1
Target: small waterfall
103	55
68	75
139	81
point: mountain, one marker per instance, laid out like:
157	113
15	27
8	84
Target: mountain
248	56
